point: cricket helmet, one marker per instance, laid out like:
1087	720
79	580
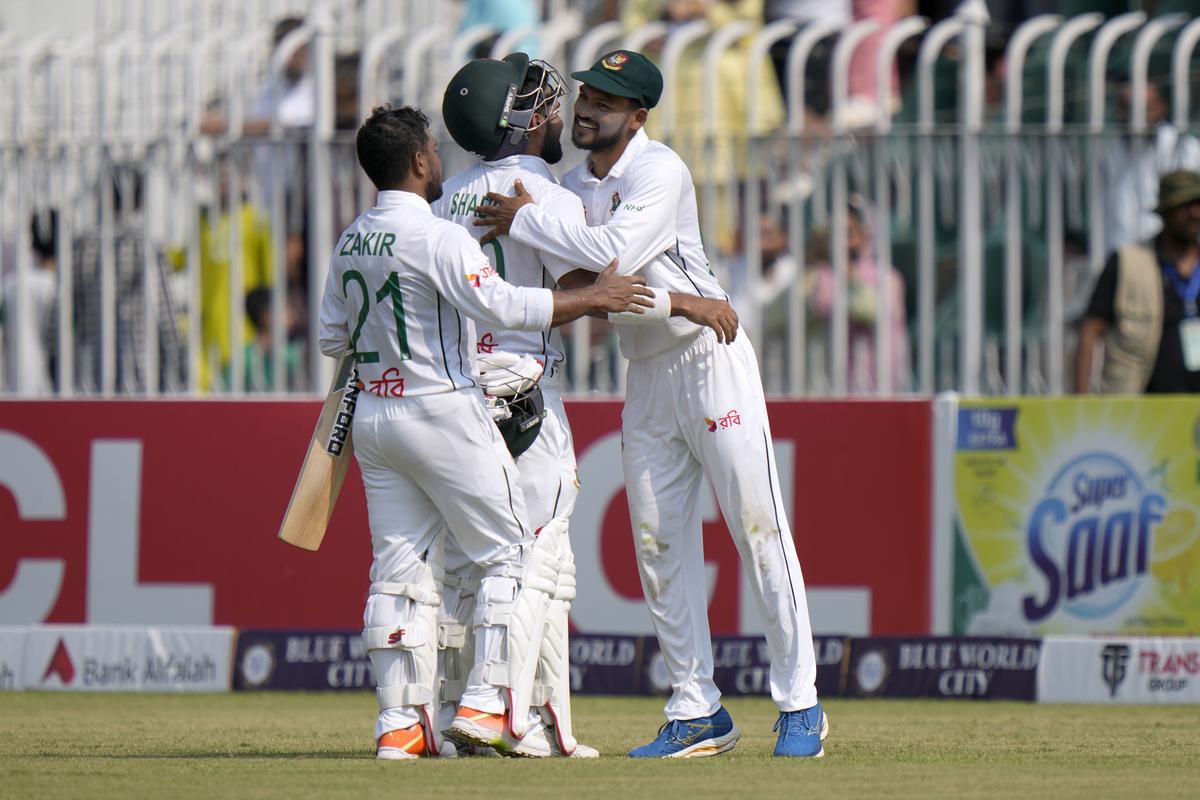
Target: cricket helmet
486	111
519	418
512	396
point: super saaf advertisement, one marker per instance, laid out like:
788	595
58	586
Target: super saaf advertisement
1076	516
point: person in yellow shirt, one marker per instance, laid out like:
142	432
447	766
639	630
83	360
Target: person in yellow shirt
257	264
255	240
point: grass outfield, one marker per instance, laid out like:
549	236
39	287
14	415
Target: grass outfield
313	746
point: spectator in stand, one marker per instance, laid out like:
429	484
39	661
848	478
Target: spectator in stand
863	283
345	93
1144	304
816	73
290	100
768	305
129	245
1133	169
722	160
862	109
37	317
260	351
503	15
254	236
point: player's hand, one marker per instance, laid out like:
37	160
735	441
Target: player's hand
616	293
498	214
711	313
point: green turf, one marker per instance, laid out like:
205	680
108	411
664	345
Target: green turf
309	746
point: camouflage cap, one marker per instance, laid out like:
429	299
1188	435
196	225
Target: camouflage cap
1176	189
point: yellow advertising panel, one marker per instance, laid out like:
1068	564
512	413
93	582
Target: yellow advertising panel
1077	515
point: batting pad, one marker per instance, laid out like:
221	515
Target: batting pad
456	641
553	690
401	638
527	623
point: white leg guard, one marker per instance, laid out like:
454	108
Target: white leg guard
552	692
510	619
527	625
456	648
401	637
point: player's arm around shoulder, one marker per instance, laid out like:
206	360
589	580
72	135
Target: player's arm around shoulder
568	210
462	273
642	223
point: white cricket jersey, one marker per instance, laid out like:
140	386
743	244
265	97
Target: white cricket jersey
644	214
517	263
400	282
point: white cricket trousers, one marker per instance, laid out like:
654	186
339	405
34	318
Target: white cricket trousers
430	464
549	483
692	412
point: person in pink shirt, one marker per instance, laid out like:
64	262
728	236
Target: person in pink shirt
863	282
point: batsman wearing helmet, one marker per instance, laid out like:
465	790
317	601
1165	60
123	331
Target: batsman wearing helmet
518	371
506	112
694	409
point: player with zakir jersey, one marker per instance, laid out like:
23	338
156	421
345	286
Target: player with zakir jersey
694	408
402	285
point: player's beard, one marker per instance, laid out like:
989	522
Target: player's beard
433	189
552	151
601	139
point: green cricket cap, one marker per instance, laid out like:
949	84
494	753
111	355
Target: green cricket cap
479	101
625	74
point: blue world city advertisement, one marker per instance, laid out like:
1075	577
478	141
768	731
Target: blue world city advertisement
1077	516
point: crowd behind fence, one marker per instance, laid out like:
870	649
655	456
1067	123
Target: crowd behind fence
171	185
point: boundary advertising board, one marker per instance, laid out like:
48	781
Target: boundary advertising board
165	513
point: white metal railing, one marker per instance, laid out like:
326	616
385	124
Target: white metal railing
957	199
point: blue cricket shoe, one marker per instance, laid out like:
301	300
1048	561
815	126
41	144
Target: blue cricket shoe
801	733
692	738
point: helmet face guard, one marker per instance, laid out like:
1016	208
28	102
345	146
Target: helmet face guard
543	99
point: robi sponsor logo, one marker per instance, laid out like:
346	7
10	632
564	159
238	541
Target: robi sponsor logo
485	272
1090	538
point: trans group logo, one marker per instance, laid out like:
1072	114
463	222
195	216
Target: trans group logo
1113	659
1090	537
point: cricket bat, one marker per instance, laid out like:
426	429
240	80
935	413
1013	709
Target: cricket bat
330	452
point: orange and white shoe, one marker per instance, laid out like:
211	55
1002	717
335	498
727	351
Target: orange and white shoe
481	728
474	727
407	744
